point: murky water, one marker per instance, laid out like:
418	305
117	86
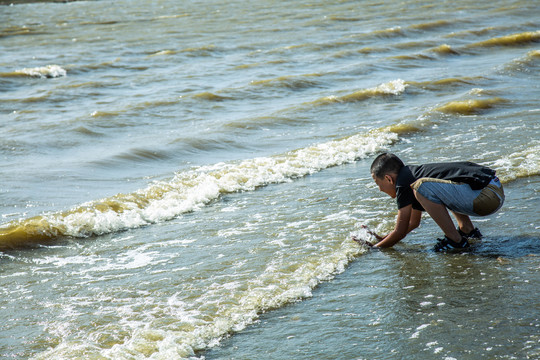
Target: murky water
181	179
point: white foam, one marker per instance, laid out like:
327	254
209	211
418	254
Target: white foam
519	164
193	189
416	334
49	71
395	87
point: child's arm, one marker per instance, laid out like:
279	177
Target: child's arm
407	220
416	216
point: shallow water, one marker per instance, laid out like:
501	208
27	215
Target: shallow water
181	179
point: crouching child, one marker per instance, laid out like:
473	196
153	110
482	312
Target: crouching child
463	188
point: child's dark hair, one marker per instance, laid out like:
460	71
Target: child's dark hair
386	163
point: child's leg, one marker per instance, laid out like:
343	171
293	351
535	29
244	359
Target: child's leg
464	222
440	215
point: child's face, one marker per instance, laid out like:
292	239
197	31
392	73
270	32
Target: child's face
387	184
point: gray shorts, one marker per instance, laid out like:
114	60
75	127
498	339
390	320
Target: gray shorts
460	198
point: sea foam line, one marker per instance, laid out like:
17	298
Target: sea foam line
195	329
190	190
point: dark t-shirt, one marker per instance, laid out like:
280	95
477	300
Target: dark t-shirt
477	176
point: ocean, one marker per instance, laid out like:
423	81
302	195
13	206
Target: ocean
181	179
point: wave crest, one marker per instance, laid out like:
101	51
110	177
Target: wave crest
49	71
470	107
509	40
395	87
191	190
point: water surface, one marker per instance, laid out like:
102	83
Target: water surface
181	179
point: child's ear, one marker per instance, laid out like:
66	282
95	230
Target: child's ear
389	178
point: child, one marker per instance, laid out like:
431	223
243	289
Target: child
465	188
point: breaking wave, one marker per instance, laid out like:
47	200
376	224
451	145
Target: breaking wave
49	71
191	190
395	87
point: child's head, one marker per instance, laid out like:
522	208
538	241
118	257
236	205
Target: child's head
384	171
385	164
